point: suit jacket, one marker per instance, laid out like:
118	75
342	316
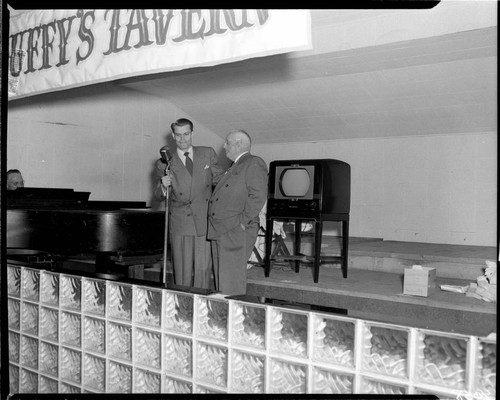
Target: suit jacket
189	196
239	196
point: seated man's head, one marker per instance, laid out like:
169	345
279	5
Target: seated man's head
14	179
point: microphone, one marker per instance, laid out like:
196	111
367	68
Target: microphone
166	156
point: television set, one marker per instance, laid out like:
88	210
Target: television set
308	188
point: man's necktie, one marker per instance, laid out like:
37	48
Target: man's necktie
189	163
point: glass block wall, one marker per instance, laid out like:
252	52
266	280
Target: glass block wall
72	334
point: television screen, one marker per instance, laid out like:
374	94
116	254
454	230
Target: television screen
308	188
295	182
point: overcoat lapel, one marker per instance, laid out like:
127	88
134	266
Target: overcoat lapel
233	170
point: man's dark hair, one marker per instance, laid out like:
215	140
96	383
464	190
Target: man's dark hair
182	122
13	171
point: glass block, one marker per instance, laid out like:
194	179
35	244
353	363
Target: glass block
198	389
14	313
13	379
486	372
66	388
49	359
49	288
71	365
31	284
369	386
177	386
49	323
94	372
48	385
148	348
212	318
28	382
248	373
29	318
94	296
289	333
385	350
71	292
449	394
333	341
211	364
148	307
120	378
441	360
29	352
120	341
71	329
146	381
287	377
249	326
14	345
14	281
331	382
120	301
94	334
178	312
178	355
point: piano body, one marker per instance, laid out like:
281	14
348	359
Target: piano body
66	225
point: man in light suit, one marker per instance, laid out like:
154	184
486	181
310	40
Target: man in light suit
188	205
233	213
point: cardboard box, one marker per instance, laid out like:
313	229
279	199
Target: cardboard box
419	281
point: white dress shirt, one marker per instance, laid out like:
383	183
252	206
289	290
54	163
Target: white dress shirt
237	158
181	155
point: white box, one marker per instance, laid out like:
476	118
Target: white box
419	281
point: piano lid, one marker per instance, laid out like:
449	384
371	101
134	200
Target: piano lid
47	198
63	199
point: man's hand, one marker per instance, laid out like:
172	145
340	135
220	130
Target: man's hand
166	180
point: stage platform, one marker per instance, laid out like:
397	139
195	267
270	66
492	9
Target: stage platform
373	288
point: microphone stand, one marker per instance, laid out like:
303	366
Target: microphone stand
165	246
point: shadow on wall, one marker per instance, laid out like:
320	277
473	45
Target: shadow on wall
223	160
155	203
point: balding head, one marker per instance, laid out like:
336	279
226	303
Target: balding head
243	138
237	142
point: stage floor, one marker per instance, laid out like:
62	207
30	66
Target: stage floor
373	288
378	295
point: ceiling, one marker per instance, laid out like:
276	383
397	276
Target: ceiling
445	84
442	84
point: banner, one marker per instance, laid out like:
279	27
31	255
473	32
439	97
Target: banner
59	49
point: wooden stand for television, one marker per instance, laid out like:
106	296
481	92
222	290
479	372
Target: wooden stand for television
318	233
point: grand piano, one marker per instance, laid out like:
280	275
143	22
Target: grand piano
63	225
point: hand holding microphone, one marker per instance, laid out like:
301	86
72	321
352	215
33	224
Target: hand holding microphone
166	180
166	156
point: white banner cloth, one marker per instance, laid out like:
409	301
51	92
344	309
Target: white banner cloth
59	49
